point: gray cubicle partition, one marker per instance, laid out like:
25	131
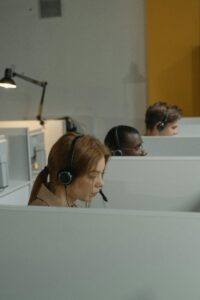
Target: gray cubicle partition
189	121
189	126
18	147
19	173
73	254
4	180
172	145
152	183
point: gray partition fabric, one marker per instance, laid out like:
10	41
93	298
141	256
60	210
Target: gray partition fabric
152	183
18	148
49	253
172	146
189	126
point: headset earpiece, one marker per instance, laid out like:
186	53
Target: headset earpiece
162	124
66	176
117	152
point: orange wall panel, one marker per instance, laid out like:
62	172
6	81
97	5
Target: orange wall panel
173	53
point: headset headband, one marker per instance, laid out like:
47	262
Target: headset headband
165	117
162	124
66	176
117	143
71	152
118	151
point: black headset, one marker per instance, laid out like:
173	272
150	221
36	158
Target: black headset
118	151
162	124
66	175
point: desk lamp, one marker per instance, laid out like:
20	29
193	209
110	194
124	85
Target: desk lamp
8	82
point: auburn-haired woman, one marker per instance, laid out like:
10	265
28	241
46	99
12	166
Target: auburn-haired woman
75	169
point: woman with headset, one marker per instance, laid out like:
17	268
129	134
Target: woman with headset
124	140
75	169
161	119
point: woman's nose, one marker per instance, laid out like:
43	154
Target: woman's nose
100	182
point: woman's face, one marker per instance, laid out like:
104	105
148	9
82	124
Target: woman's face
87	186
170	129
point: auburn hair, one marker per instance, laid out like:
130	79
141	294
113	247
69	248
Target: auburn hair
87	152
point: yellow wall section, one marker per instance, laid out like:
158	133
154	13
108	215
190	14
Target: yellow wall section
173	55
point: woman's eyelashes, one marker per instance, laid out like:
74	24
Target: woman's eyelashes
95	174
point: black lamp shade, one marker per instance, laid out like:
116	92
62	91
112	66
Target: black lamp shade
7	81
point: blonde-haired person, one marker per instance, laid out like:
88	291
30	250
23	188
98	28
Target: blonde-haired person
75	171
162	119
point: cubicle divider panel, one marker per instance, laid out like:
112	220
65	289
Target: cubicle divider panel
18	148
19	167
189	130
189	121
49	253
189	126
152	183
172	145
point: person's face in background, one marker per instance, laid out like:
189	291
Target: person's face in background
170	129
86	187
134	145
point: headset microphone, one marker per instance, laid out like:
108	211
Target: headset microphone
103	196
87	204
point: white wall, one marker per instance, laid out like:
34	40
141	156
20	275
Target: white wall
93	58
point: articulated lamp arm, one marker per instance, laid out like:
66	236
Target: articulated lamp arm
7	82
43	84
